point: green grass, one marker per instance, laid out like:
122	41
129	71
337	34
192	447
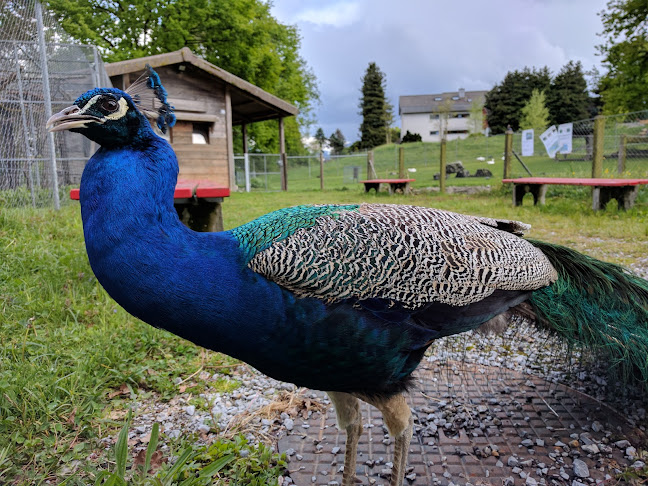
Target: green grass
65	345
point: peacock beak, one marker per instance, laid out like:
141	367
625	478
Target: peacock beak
70	118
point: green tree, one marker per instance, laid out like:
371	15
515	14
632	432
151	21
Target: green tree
320	137
240	36
375	110
624	88
535	113
476	122
567	97
505	101
337	142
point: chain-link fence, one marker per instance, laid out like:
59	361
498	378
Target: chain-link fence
476	160
41	72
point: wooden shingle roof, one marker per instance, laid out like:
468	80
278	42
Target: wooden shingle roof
249	102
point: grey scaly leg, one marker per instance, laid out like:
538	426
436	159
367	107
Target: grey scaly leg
349	418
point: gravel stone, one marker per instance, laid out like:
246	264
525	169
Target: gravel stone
580	469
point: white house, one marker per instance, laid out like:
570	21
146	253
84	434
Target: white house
431	115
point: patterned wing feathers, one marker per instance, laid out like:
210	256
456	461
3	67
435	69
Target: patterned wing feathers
408	254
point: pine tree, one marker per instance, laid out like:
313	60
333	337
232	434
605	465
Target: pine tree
320	137
535	113
505	101
375	110
337	142
567	97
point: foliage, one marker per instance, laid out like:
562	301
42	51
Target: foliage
535	113
240	36
236	460
567	97
337	142
624	88
505	101
411	137
375	110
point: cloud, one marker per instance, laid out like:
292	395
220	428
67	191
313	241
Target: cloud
431	46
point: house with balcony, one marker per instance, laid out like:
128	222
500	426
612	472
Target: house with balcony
433	115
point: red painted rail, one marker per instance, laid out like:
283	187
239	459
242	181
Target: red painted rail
571	181
386	181
185	189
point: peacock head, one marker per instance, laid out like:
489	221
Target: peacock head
112	117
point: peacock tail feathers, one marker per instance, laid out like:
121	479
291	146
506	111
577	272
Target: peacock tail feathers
597	305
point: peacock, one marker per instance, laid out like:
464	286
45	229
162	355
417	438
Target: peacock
340	298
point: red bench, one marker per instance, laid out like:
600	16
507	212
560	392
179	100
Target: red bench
394	185
198	203
623	190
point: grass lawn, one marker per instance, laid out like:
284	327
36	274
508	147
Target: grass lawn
65	345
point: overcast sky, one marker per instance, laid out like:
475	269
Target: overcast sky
432	46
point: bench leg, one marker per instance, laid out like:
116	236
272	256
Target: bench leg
371	185
627	197
519	191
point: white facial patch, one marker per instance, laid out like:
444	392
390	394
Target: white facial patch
123	108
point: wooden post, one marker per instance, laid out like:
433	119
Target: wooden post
442	167
321	160
371	169
508	153
401	162
597	159
282	155
621	166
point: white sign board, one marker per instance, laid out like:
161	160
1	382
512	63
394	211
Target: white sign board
565	138
550	140
527	142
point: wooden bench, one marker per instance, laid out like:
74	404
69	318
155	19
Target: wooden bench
197	202
623	190
394	185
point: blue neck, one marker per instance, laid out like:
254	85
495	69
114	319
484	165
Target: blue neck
196	285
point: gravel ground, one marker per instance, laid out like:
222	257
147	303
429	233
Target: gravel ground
521	348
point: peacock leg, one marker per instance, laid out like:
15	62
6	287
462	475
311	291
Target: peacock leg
398	419
349	418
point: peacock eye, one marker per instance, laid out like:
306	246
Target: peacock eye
109	105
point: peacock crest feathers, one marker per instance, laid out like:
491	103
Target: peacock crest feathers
151	99
261	233
406	254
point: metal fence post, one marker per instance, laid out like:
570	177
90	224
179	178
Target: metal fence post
508	152
442	166
321	162
246	168
48	102
597	159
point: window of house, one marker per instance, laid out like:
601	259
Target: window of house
434	132
455	98
200	134
434	116
438	98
